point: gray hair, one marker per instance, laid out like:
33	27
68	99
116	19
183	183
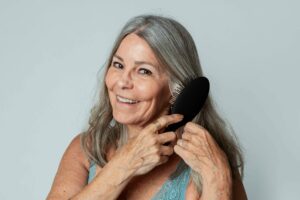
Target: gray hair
176	52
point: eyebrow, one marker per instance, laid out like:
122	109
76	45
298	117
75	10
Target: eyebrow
136	62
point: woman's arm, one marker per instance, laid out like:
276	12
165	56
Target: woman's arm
137	157
71	174
201	152
71	178
238	191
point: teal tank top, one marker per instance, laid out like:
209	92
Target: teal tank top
173	189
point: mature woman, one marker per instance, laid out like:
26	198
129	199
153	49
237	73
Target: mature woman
123	154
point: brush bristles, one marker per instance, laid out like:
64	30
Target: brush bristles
177	88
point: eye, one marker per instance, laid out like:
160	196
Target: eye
117	65
145	71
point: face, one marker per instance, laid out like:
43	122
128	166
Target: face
137	87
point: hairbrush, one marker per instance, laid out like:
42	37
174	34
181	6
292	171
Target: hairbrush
189	101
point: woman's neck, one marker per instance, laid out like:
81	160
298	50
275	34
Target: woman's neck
133	131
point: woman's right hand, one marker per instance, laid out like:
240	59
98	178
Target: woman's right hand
146	151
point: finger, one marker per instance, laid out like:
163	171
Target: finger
187	145
166	150
203	143
196	162
183	153
159	150
200	131
163	122
152	150
155	159
194	128
166	137
163	159
195	139
188	136
200	148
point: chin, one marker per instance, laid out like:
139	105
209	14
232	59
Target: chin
123	119
130	120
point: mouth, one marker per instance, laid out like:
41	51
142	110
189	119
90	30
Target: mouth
126	100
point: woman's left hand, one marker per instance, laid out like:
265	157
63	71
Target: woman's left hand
200	151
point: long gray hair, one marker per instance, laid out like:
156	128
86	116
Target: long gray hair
176	51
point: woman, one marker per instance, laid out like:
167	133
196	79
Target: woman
122	154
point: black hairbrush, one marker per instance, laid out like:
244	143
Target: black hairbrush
189	101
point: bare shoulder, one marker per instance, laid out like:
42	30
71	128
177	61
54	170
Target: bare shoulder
72	172
75	152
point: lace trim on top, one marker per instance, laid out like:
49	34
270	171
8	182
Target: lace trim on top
173	189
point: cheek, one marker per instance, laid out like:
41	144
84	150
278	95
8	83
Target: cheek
153	91
145	91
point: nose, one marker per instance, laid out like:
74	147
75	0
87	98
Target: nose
125	81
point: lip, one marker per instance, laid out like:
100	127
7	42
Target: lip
126	103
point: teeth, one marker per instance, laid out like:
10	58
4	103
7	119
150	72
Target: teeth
124	100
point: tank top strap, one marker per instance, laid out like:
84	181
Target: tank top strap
92	171
173	189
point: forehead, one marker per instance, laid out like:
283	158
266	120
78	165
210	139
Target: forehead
132	47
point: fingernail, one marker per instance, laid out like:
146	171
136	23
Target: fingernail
179	142
180	116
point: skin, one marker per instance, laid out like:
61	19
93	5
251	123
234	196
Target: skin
135	74
202	154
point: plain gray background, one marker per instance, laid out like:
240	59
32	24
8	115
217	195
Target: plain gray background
51	51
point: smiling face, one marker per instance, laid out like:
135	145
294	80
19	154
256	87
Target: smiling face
137	87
